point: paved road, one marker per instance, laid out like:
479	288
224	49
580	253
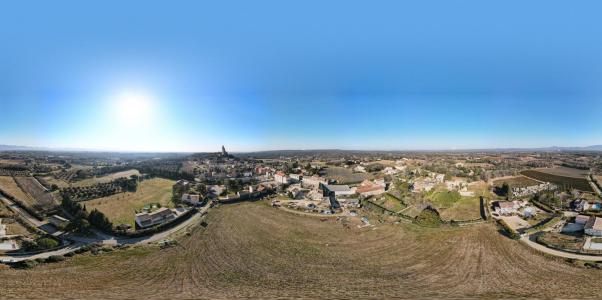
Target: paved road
78	242
528	240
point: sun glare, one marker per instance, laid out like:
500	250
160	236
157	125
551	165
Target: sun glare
134	108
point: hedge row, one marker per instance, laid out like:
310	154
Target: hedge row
506	229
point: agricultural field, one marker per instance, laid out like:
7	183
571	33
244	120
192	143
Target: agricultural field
8	184
120	208
345	176
516	182
66	179
251	250
564	171
50	179
106	178
579	183
43	200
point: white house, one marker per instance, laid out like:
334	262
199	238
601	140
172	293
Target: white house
280	178
295	178
191	199
339	190
314	181
593	226
360	169
506	207
157	217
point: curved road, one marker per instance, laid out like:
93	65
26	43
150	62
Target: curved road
79	242
529	242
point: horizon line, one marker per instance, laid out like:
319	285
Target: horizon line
597	147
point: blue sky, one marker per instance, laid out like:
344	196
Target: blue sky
257	75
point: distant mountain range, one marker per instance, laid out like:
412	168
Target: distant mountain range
547	149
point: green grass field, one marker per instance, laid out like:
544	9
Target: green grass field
120	208
389	202
452	206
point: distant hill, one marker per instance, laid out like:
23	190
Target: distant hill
271	153
20	148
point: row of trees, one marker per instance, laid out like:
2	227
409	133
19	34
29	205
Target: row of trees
98	190
82	220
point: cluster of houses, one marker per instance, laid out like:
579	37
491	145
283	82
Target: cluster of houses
512	208
324	193
531	190
425	184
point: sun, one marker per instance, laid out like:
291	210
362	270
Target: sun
134	108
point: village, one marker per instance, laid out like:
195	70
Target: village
161	196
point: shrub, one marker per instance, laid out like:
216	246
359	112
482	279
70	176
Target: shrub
26	264
55	258
47	243
428	217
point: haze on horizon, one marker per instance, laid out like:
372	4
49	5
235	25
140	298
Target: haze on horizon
300	75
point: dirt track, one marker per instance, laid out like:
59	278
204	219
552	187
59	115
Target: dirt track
251	250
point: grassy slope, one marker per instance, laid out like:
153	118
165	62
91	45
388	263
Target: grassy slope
120	208
253	250
8	184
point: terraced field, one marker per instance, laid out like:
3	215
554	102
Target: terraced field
251	250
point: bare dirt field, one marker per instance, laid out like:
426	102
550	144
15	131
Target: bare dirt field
120	208
251	250
346	176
